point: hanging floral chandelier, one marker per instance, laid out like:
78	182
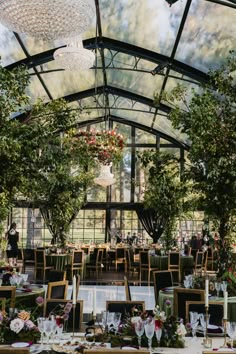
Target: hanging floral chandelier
105	178
47	19
106	146
74	57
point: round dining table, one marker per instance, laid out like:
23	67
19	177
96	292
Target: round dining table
58	261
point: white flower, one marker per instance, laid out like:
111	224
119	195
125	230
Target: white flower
16	325
135	319
181	330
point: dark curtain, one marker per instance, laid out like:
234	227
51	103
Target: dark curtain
150	221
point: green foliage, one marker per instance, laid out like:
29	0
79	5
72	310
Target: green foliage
164	190
209	120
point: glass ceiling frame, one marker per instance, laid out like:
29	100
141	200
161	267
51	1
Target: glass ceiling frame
162	65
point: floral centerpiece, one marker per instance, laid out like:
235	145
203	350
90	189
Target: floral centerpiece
105	145
173	330
20	326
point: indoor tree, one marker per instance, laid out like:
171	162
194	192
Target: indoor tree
208	118
164	193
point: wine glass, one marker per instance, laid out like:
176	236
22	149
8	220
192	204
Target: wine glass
116	320
217	287
203	319
139	330
149	328
194	317
40	325
104	319
224	285
47	326
231	330
110	319
158	332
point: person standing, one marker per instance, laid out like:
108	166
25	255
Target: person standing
12	237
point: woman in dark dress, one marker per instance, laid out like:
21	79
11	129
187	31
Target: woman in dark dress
12	237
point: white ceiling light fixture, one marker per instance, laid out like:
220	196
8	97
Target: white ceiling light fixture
105	178
47	19
74	57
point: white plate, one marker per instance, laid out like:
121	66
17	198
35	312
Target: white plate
212	326
20	345
129	348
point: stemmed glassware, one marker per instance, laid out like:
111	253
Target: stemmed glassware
149	328
139	330
110	319
231	330
224	285
194	317
116	320
217	287
158	332
202	318
40	324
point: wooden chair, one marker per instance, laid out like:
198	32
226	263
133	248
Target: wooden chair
77	287
161	279
8	293
182	295
200	263
127	289
124	307
57	290
77	263
174	264
145	265
96	265
56	275
216	310
3	303
120	256
40	263
52	307
28	255
131	266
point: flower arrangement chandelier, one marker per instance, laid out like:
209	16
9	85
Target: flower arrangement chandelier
47	19
74	57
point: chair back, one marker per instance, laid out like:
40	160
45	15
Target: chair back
127	289
40	257
124	307
144	259
199	260
182	295
215	310
99	256
9	293
161	279
120	253
28	254
56	275
57	290
173	260
77	257
52	307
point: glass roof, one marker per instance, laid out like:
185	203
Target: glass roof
142	47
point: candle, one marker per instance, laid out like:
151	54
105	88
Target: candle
94	302
225	305
74	291
207	292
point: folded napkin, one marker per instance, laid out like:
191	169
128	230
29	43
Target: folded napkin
215	330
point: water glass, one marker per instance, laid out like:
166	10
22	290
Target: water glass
231	330
116	320
149	328
139	330
224	285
